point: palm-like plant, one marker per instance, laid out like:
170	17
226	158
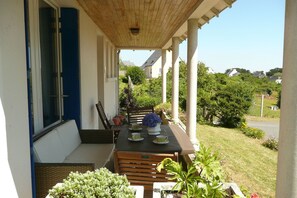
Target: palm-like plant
202	178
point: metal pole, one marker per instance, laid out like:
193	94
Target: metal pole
262	104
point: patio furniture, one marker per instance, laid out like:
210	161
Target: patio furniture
140	167
138	159
64	149
106	122
147	145
135	115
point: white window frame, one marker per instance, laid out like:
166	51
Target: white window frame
35	63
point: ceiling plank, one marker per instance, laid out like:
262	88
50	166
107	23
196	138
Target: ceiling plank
157	20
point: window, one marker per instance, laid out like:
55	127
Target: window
50	75
52	97
44	76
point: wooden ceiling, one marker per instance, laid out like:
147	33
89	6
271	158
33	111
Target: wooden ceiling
157	20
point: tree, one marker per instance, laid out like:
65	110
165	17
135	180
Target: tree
239	70
261	85
148	93
274	71
243	71
136	74
232	102
206	89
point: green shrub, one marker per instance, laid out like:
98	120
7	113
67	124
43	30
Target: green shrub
136	74
166	107
232	102
271	143
98	183
146	101
253	132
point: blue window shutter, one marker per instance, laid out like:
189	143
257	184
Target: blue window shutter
70	64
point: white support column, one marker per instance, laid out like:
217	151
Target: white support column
192	79
286	185
117	71
175	78
164	81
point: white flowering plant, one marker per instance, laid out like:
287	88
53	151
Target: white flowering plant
151	120
98	183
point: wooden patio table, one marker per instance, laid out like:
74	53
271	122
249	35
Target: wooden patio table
147	145
134	162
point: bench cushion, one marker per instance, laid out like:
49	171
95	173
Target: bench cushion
99	154
69	136
48	148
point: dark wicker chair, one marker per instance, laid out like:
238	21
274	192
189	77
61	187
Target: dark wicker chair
135	115
106	122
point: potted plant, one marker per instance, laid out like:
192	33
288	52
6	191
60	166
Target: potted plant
202	178
153	122
98	183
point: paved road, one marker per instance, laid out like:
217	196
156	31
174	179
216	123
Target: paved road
271	128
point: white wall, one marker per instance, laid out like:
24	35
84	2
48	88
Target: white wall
110	99
156	68
15	179
88	71
107	77
101	71
88	65
95	60
155	71
15	172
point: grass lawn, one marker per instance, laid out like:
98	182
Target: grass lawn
245	160
255	109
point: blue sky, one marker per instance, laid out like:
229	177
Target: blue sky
249	35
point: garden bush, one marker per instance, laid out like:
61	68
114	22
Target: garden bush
98	183
166	107
232	102
253	132
146	101
271	143
136	74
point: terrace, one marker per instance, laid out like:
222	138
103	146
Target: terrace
59	58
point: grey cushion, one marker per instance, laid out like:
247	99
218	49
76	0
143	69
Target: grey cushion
69	136
91	153
48	148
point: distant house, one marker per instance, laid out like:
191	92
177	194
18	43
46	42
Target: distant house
153	65
259	74
232	72
210	71
276	79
